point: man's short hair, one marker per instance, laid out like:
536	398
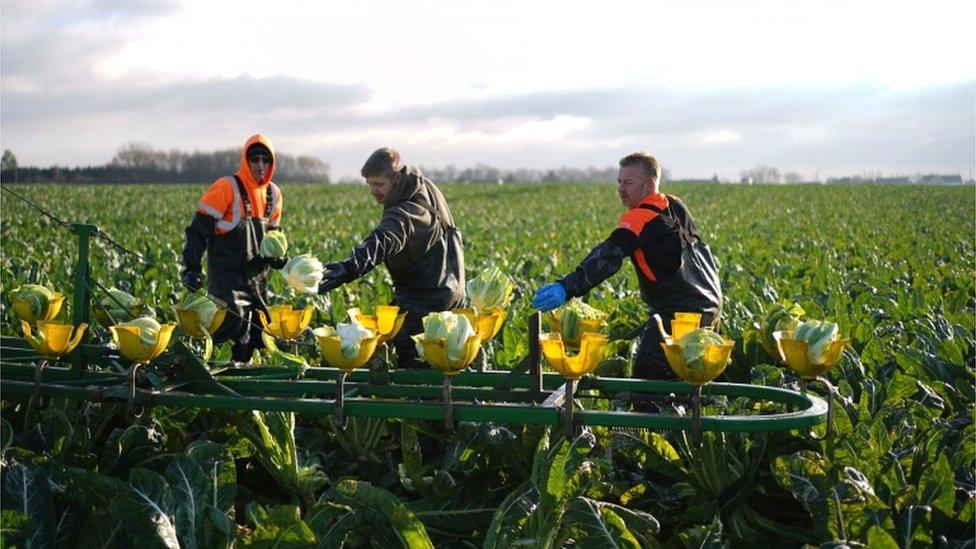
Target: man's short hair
383	161
649	166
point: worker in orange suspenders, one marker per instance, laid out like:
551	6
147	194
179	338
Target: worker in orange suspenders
230	221
675	269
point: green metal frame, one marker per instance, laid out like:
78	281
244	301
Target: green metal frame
526	395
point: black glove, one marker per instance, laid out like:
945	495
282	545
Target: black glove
276	262
337	276
191	279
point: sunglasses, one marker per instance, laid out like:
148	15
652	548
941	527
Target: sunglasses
259	158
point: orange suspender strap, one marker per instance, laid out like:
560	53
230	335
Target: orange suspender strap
634	220
641	262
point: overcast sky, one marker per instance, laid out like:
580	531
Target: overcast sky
711	87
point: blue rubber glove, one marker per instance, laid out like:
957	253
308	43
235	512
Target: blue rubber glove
549	297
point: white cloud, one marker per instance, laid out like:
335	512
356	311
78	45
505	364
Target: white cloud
717	137
712	85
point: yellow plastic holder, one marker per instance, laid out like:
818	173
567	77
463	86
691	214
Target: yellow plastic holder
684	323
52	340
330	346
681	324
386	323
22	308
435	353
717	357
133	347
487	324
572	368
190	322
586	326
794	353
286	323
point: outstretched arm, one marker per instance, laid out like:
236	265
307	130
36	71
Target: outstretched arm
387	239
600	264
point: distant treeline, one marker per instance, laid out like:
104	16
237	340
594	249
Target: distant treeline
484	172
140	163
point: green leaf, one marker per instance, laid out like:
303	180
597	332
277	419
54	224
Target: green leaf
88	488
412	459
510	517
841	499
6	435
15	528
936	487
26	490
189	487
103	530
281	528
703	536
879	539
595	524
146	508
359	494
129	447
217	463
460	512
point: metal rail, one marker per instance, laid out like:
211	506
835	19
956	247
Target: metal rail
525	395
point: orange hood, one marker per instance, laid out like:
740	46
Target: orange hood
244	172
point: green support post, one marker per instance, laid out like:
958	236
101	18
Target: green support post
81	299
535	354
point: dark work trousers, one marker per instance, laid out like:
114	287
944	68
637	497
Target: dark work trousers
243	327
406	348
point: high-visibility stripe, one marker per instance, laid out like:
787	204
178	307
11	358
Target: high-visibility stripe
227	225
641	262
209	210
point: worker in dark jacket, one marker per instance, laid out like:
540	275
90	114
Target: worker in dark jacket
231	219
675	269
417	241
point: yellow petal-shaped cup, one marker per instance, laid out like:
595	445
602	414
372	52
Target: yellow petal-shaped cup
435	351
188	320
22	308
131	345
286	322
331	348
714	362
586	326
53	340
592	346
794	353
386	323
487	324
684	323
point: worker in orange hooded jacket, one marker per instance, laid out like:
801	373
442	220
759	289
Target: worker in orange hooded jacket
230	221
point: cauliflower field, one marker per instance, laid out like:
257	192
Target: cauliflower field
893	266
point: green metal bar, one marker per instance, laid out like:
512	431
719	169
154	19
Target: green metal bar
51	373
81	299
364	408
814	415
489	378
813	409
535	353
278	387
